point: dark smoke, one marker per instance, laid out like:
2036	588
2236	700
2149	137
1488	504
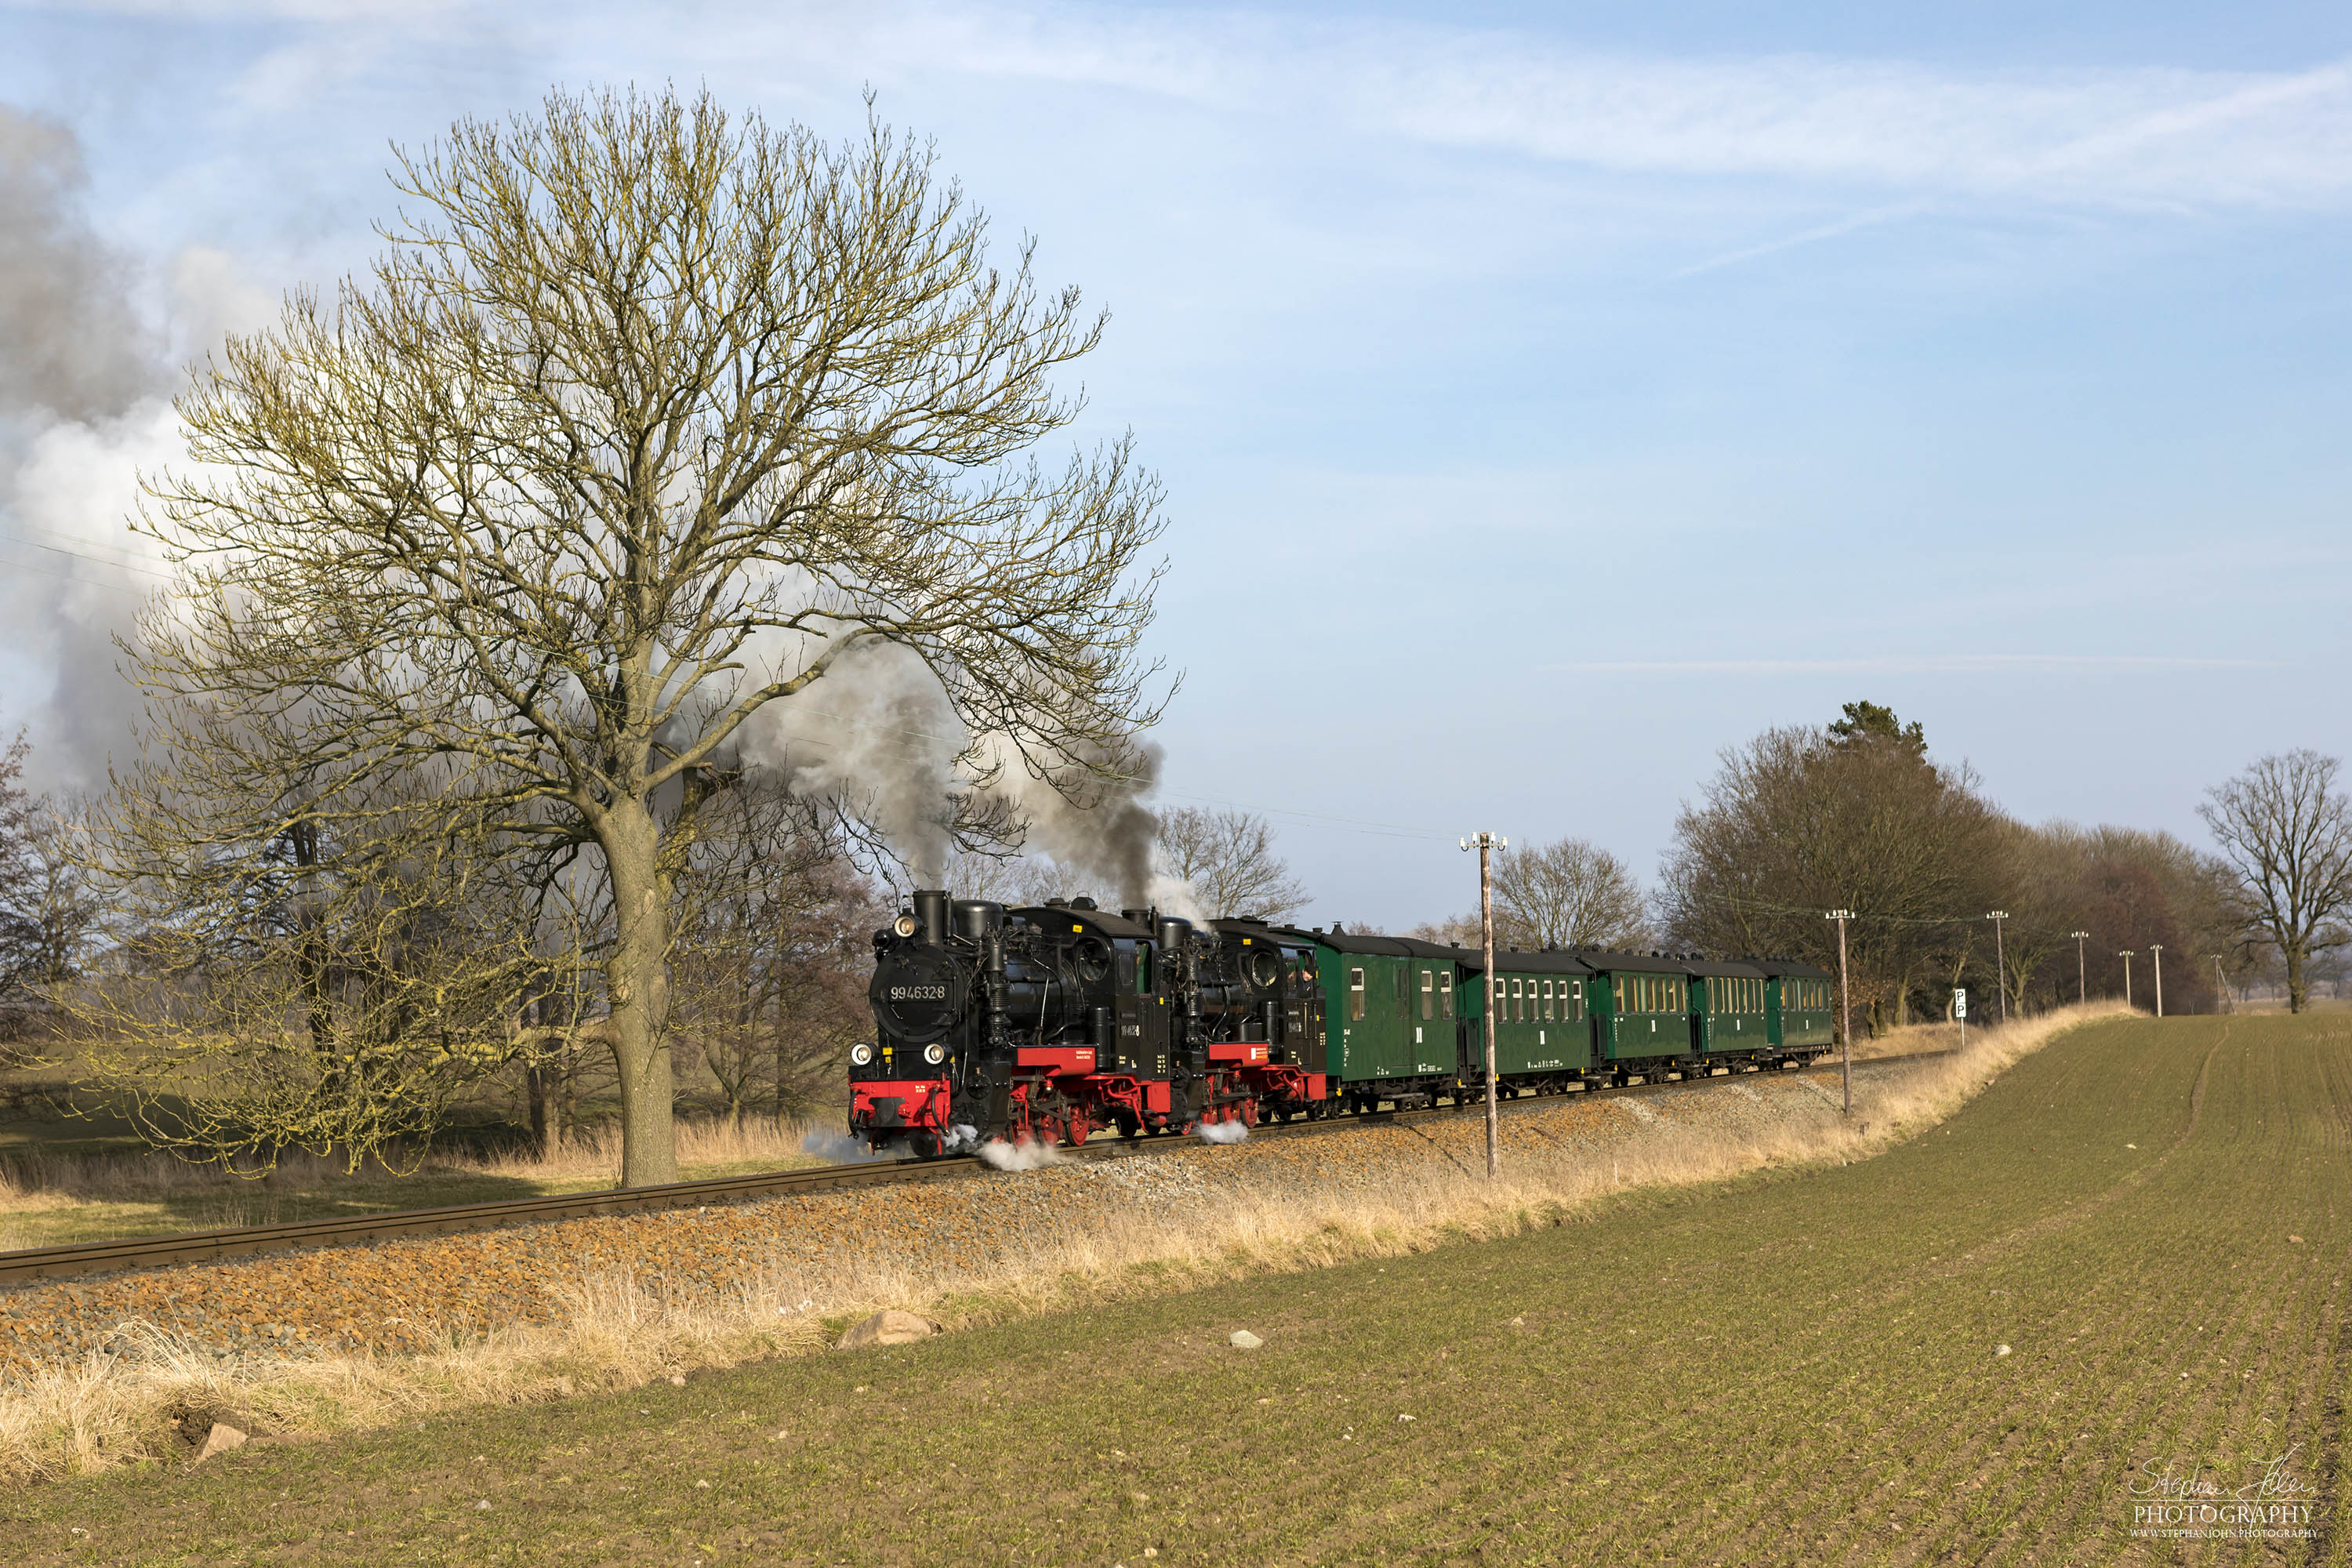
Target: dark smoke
71	345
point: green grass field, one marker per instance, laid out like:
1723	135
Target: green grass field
1800	1368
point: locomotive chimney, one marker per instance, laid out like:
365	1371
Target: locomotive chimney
931	915
1170	933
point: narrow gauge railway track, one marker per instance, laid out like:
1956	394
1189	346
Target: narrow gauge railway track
39	1263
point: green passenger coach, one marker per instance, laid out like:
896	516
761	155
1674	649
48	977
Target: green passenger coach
1729	1016
1543	1026
1800	1003
1641	1012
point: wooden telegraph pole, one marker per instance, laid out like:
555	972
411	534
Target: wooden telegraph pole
2000	961
2157	949
1488	845
2082	974
1845	1008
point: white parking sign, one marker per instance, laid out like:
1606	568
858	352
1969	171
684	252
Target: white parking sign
1959	1003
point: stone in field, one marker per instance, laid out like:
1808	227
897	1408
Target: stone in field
219	1440
1243	1340
890	1327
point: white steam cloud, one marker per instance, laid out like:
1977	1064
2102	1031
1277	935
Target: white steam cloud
1222	1131
837	1148
1022	1156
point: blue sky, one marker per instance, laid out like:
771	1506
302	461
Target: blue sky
1547	398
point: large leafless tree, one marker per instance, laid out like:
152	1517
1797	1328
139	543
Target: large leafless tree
1566	893
1226	856
2287	832
642	419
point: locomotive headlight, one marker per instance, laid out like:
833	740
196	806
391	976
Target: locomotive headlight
904	925
935	1055
861	1055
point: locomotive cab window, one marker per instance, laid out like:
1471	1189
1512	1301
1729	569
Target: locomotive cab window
1356	995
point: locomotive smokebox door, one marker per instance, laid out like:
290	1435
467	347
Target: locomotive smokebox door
917	993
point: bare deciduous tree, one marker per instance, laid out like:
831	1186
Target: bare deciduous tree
2287	832
643	420
329	983
774	931
48	909
1227	857
1566	893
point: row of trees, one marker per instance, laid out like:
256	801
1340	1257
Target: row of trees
1858	816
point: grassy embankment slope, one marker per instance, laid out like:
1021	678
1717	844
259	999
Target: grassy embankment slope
1795	1368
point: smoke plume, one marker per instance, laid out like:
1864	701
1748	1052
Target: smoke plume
878	736
83	409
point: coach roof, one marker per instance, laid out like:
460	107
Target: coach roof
1601	959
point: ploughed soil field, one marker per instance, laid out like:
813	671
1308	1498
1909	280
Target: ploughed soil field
1797	1367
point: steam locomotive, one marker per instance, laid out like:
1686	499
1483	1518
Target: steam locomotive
1053	1023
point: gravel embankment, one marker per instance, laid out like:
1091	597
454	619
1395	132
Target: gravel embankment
415	1294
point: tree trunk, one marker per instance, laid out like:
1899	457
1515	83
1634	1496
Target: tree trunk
638	979
535	1087
2298	984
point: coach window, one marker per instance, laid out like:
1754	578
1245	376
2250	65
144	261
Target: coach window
1404	992
1445	994
1356	995
1547	1001
1578	998
1617	993
1428	995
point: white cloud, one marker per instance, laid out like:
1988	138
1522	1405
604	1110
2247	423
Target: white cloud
2123	135
1902	664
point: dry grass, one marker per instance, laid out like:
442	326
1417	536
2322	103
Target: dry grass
53	1198
622	1331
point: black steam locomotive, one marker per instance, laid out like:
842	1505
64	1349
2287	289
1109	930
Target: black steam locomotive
1057	1022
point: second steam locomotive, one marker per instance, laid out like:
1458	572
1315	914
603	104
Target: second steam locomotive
1061	1021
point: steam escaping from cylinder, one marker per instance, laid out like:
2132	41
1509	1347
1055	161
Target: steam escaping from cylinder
1024	1155
1222	1131
837	1148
